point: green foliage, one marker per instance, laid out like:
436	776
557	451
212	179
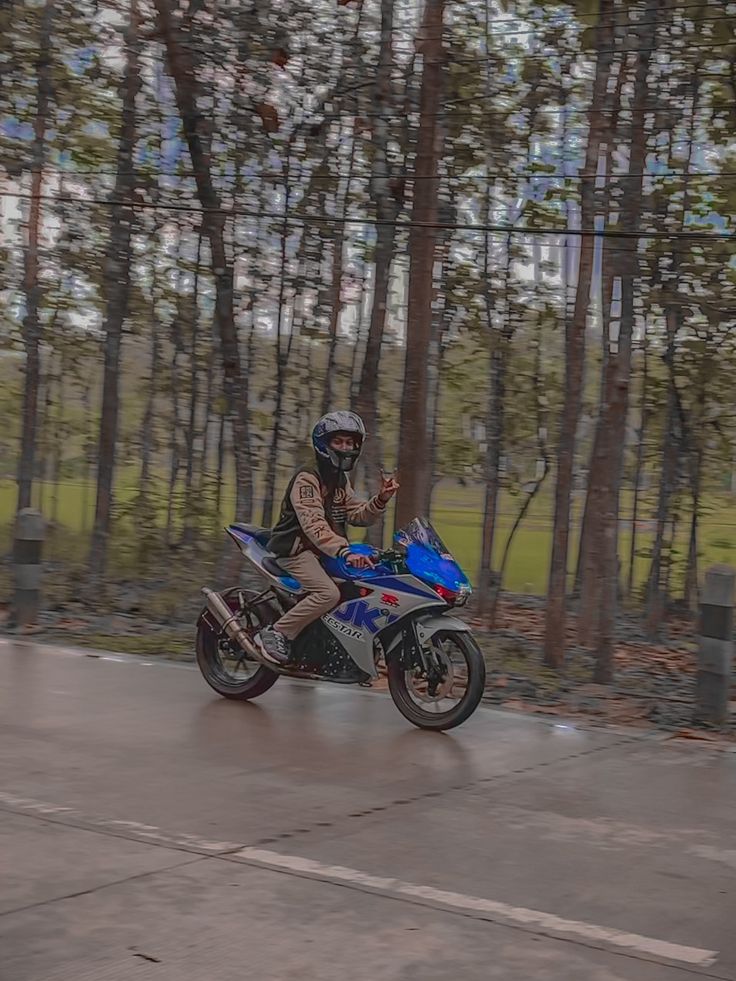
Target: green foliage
515	116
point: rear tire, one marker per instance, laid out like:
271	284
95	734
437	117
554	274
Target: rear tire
399	686
210	657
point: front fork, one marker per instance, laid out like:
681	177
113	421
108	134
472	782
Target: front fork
416	657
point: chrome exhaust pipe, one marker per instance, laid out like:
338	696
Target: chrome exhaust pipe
230	623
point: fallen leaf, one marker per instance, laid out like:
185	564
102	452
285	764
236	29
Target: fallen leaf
694	734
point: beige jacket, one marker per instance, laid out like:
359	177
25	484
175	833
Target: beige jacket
314	518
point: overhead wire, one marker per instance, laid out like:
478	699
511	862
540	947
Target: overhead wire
549	25
639	234
144	171
710	45
548	55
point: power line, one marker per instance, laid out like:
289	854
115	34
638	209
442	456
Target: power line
142	172
612	51
548	25
452	108
546	56
440	226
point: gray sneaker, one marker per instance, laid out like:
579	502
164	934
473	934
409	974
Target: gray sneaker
273	646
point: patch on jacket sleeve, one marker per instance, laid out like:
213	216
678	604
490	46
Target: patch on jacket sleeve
306	492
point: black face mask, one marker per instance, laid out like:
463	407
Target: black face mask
346	459
339	462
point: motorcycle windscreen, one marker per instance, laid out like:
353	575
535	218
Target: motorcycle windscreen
429	559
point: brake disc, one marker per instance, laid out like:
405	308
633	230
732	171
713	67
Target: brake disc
444	689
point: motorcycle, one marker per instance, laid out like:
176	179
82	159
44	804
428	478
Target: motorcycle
400	612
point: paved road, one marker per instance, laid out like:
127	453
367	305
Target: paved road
150	830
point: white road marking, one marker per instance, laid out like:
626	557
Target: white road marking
130	829
488	908
34	806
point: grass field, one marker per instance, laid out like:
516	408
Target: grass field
457	514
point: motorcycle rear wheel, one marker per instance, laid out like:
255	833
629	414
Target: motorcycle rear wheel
230	672
439	710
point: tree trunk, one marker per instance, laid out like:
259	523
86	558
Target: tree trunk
690	592
338	262
180	55
587	583
639	467
87	451
245	494
335	311
46	397
696	442
617	408
542	465
588	576
497	344
191	508
554	638
117	284
670	455
204	458
282	356
620	360
175	460
591	532
441	329
220	466
147	434
387	201
674	435
31	285
359	343
59	433
414	429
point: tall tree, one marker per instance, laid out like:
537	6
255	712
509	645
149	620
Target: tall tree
614	411
283	346
180	53
673	435
386	191
31	283
575	328
414	453
117	294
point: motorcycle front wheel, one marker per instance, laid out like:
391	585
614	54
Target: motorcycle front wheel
448	695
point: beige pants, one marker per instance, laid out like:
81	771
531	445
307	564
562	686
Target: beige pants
322	594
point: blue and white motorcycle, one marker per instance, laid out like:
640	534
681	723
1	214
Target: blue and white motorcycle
399	612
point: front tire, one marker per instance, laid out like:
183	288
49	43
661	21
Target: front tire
226	669
437	710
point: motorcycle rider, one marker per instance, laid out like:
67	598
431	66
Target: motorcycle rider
318	505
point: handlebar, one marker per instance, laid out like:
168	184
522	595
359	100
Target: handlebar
391	556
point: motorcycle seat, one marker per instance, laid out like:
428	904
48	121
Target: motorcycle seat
260	534
270	564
